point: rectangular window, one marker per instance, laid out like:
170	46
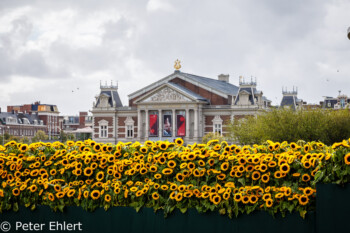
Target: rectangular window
129	131
218	128
103	131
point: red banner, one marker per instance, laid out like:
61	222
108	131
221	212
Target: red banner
153	125
181	125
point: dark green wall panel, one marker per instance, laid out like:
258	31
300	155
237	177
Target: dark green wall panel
123	219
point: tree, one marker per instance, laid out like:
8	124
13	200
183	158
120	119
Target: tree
66	136
327	126
40	136
212	136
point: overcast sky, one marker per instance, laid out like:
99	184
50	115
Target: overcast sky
58	51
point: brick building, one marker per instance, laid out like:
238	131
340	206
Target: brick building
20	124
179	105
46	113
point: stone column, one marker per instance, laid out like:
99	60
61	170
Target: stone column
187	119
174	129
139	124
196	123
160	125
147	124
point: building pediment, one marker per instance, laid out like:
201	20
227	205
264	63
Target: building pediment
167	93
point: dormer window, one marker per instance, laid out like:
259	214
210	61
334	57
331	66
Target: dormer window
11	120
26	121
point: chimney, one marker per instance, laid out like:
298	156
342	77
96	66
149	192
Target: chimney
224	77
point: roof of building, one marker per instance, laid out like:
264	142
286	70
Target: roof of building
30	117
219	85
112	96
188	92
289	100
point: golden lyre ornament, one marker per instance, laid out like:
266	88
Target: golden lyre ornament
177	65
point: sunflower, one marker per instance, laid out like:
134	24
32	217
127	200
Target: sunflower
153	168
143	171
269	203
57	187
237	197
284	168
307	164
308	191
272	164
256	175
242	161
167	171
306	148
173	187
33	188
191	166
60	195
171	163
221	176
253	199
179	197
182	188
224	166
211	162
163	146
179	142
70	143
278	174
216	199
265	178
99	176
88	171
305	178
303	200
347	158
23	148
97	147
143	149
245	199
158	176
116	190
263	167
108	198
266	196
16	192
164	187
70	193
95	194
180	177
51	197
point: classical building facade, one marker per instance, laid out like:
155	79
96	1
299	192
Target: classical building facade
179	105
